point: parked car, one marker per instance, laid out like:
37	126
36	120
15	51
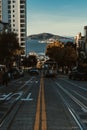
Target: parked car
15	72
33	71
78	73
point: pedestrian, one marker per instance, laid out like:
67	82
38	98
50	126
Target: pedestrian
5	77
0	77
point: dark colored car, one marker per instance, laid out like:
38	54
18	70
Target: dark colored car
33	71
16	72
78	73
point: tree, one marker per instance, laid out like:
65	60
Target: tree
64	55
55	51
8	45
70	56
30	61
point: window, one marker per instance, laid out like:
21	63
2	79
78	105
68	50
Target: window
22	35
9	16
22	30
22	39
10	21
22	16
9	11
23	2
9	7
13	20
22	11
9	2
22	20
22	6
22	25
22	44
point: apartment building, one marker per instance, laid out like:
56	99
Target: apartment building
4	10
85	35
13	12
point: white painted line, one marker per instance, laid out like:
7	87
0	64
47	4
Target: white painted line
81	128
5	96
27	98
72	97
25	83
19	94
80	96
75	85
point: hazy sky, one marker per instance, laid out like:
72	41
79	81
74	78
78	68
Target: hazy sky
61	17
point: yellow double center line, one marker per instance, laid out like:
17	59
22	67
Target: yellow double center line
40	120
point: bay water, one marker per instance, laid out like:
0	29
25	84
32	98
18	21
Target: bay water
34	46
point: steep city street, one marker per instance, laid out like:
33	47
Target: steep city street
43	65
43	103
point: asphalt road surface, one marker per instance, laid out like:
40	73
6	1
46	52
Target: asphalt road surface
39	103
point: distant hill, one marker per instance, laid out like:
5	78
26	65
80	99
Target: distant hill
46	36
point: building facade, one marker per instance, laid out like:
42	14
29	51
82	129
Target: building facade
13	12
85	35
4	10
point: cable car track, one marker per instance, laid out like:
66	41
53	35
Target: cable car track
11	102
76	106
